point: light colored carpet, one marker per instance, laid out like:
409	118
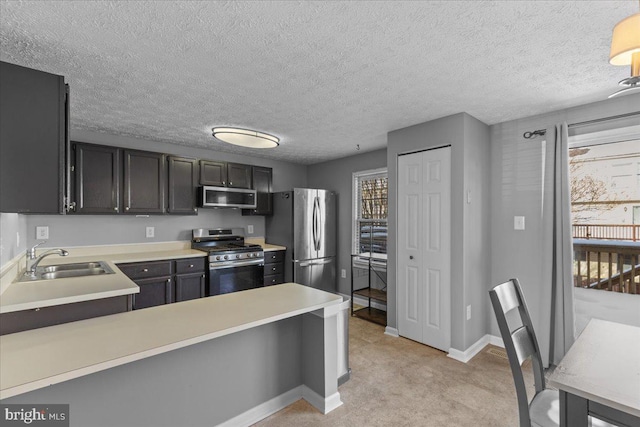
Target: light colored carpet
398	382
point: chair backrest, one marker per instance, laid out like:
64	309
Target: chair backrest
520	343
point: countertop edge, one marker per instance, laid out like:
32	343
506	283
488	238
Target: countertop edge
97	367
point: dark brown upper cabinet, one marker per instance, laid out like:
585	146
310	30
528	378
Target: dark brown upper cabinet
96	171
144	182
262	183
221	174
213	173
239	175
33	133
183	182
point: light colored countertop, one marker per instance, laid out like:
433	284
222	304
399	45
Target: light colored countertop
265	246
17	296
41	357
602	366
44	293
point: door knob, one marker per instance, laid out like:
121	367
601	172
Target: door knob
410	256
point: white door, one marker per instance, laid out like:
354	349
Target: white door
424	247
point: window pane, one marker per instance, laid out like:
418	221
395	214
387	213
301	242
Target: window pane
371	209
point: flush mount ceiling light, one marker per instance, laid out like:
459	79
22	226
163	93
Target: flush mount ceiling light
625	50
245	137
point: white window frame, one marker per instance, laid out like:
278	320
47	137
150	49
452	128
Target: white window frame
355	201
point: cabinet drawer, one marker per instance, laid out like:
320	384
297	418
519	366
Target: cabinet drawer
273	279
142	270
270	269
190	265
273	256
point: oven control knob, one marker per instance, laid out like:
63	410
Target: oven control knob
237	256
218	258
226	257
249	255
255	255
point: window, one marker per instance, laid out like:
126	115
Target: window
605	192
370	210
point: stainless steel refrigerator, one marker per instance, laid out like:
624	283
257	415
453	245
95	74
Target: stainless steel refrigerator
304	220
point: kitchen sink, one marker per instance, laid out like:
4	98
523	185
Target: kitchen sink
62	271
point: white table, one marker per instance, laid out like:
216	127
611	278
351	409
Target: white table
600	376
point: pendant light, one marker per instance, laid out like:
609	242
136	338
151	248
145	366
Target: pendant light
625	50
245	137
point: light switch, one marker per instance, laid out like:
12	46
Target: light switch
518	223
250	229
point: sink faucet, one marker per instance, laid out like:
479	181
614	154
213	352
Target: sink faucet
33	261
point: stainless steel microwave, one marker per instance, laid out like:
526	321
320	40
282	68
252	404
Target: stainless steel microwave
223	197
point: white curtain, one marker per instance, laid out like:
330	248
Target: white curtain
557	289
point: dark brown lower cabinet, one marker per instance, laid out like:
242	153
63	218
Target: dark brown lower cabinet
273	267
154	291
166	281
55	315
190	286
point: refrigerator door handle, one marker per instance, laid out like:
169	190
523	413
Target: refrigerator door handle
315	262
315	223
320	230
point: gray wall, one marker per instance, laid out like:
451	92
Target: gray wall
13	227
74	230
469	141
199	385
337	175
516	181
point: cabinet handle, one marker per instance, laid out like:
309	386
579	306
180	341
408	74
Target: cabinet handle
230	183
168	281
190	265
127	208
274	269
115	209
410	256
144	270
223	183
195	209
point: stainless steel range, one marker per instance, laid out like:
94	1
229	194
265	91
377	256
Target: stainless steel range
233	264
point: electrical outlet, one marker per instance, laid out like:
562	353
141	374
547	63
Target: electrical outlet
42	232
17	239
518	223
343	273
250	229
468	312
151	232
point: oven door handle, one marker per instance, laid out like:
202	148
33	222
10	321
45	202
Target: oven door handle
232	264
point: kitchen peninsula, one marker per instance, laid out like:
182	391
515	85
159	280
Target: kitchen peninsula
232	358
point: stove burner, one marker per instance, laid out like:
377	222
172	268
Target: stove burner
225	245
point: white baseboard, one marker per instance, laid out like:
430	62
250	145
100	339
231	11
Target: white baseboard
272	406
475	348
265	409
324	405
391	331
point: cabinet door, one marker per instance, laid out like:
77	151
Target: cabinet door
262	183
154	291
213	173
24	320
144	182
239	175
190	286
96	179
34	142
183	181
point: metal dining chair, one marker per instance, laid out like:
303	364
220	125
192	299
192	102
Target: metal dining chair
521	344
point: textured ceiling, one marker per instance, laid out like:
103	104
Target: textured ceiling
323	76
